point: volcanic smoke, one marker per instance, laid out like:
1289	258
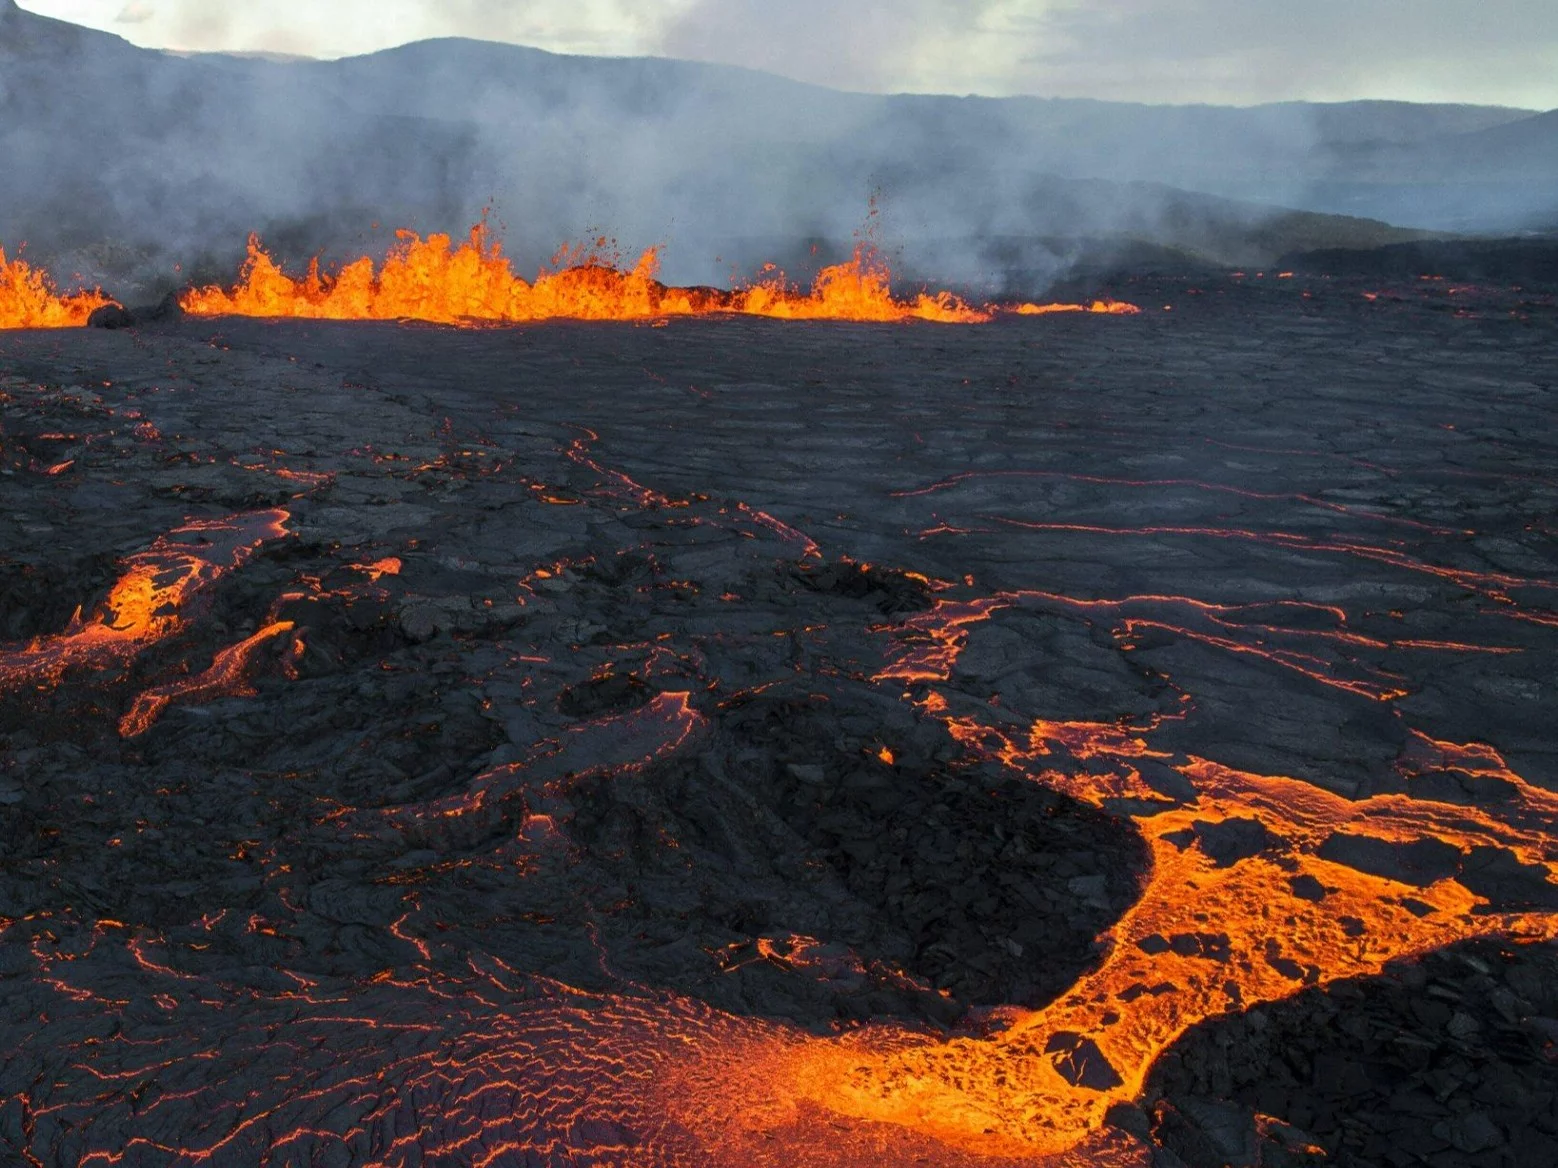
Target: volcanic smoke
752	744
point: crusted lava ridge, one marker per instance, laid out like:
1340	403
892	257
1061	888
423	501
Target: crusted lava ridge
1449	1060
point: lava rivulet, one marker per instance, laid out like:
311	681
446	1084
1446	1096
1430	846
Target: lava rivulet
146	604
28	299
631	740
1260	886
1494	586
1096	307
472	282
225	678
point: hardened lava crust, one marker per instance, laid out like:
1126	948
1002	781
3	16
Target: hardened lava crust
1059	740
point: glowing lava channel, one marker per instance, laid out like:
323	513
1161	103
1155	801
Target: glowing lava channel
147	603
225	678
1256	892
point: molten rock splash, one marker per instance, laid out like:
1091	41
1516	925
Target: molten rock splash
434	279
28	299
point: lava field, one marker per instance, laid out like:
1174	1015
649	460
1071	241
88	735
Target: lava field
1064	740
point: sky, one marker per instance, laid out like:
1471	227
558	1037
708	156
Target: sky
1226	51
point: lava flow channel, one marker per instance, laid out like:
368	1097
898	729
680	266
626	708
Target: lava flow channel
473	282
1260	886
28	299
146	605
225	678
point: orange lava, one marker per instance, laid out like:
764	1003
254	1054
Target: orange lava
437	280
28	299
225	678
1215	930
1097	307
1203	940
376	571
146	605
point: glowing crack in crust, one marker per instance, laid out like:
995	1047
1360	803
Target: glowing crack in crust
148	603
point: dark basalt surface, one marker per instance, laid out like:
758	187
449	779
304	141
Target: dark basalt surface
958	878
1450	1061
616	717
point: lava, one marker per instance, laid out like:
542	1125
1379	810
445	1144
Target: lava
472	282
1096	308
225	678
28	299
146	605
1494	586
1260	886
632	740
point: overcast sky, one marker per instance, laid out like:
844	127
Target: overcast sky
1240	51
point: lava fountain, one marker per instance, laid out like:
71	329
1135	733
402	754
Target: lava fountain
28	299
473	282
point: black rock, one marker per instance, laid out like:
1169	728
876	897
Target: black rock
111	316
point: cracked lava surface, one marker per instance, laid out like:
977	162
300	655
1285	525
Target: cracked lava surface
753	742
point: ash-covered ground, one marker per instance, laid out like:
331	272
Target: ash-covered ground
515	708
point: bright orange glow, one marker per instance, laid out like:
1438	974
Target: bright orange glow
1249	899
225	678
435	279
147	603
28	299
1097	307
376	571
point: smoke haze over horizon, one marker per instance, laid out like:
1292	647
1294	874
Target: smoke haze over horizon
1220	51
133	168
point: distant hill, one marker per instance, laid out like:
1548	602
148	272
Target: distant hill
1502	177
1532	263
117	162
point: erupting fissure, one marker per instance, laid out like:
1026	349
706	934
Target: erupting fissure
473	282
28	299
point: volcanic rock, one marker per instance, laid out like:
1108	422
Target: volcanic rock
111	316
1377	1077
556	765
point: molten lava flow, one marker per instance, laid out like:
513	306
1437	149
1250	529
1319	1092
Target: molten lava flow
225	678
1097	307
28	299
436	280
146	605
1215	931
1260	886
